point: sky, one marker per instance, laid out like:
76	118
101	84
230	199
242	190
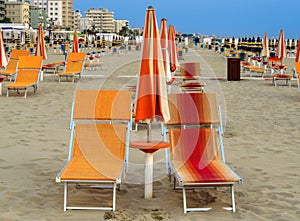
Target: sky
228	18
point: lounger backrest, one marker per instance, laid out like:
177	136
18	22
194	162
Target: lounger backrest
190	69
28	76
12	65
15	54
197	145
72	56
102	105
193	109
297	67
74	66
30	62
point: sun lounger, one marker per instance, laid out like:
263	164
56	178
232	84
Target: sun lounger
99	138
74	66
11	69
196	157
28	74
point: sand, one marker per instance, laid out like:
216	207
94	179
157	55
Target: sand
261	142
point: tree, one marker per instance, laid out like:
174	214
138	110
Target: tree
5	20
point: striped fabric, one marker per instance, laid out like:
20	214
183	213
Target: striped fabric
193	108
151	88
165	47
40	44
265	51
172	48
195	157
281	50
75	47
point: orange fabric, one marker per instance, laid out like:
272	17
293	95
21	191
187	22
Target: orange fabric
149	146
11	68
98	154
103	104
193	108
15	54
25	78
30	62
72	56
190	70
195	156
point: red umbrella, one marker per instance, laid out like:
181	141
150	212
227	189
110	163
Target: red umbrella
164	47
75	47
298	52
151	93
3	58
281	50
172	48
40	44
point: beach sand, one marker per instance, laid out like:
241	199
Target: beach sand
261	142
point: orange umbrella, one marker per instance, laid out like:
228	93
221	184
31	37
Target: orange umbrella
298	52
281	50
40	44
3	58
164	47
75	47
172	48
152	91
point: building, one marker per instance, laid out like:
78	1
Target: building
17	11
77	17
38	16
60	13
118	24
41	4
2	9
103	20
85	24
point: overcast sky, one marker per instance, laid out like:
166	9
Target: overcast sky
223	18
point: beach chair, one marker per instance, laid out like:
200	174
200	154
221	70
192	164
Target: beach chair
28	73
297	72
11	69
196	155
98	142
74	66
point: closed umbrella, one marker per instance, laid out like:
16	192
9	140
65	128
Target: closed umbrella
172	49
281	50
40	44
3	58
75	47
164	47
265	50
151	100
298	52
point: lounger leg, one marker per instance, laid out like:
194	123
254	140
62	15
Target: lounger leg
184	199
65	195
114	197
232	208
25	95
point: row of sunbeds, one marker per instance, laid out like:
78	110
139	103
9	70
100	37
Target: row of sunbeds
100	135
25	71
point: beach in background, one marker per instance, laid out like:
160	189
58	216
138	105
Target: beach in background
261	124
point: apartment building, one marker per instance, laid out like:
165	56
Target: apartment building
119	24
41	4
2	9
17	11
60	13
103	20
77	18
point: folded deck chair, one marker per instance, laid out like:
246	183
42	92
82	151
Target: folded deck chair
190	70
99	138
196	157
74	66
29	68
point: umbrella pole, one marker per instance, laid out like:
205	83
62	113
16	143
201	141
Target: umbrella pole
148	132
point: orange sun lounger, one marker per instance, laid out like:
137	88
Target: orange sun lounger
74	66
98	142
28	74
196	154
